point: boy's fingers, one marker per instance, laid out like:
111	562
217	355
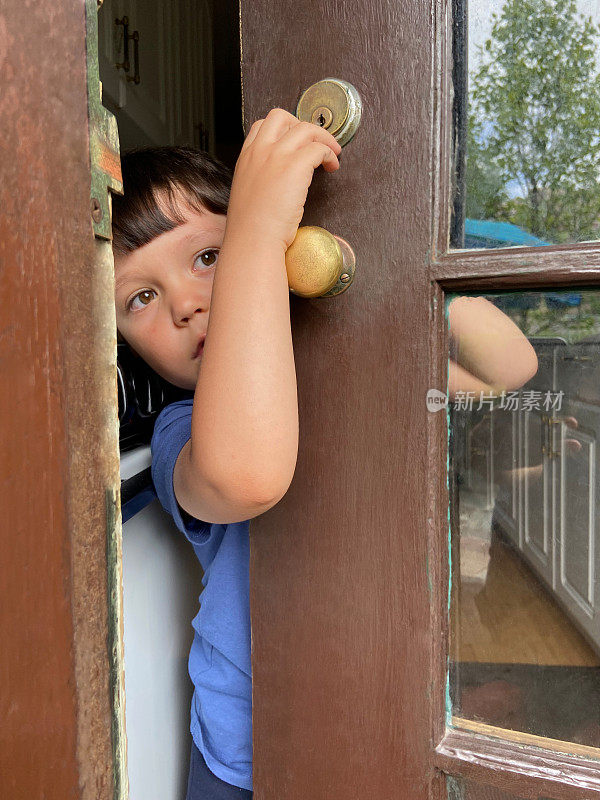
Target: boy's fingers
307	132
277	123
280	124
323	154
252	133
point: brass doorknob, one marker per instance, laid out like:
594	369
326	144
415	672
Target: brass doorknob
318	263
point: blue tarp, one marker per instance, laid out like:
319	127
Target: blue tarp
489	233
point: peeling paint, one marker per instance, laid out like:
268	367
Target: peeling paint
429	584
114	557
448	300
105	162
105	169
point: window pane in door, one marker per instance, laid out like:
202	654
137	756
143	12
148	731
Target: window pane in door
465	789
523	408
526	122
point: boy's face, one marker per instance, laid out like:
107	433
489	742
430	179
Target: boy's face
162	295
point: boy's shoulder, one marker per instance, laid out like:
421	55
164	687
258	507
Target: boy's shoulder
172	429
176	408
173	422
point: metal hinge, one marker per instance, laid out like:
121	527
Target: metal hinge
105	161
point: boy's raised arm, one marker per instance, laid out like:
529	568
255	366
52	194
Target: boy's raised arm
242	454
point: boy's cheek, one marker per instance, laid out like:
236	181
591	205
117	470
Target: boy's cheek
123	340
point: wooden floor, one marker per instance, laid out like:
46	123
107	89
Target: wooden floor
505	615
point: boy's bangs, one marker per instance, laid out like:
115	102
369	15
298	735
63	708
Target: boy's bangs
166	208
158	212
160	185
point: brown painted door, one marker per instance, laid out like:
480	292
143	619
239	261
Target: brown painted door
341	570
350	571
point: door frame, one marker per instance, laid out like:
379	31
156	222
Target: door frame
60	588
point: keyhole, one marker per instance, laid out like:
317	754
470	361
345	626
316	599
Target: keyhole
322	117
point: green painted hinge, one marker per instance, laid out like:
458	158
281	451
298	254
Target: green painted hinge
105	160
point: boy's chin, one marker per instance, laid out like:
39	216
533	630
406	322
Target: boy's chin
188	384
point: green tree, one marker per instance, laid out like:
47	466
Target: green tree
486	185
535	120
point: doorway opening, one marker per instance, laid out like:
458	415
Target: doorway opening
170	74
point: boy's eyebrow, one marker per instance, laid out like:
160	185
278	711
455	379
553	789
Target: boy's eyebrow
198	234
132	276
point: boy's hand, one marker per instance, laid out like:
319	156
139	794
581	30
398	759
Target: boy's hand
272	176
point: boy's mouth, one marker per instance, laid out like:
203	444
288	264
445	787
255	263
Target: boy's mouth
200	347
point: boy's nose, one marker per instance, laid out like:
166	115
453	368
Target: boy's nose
187	317
186	306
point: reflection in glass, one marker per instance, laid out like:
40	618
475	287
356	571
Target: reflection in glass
524	416
465	789
527	122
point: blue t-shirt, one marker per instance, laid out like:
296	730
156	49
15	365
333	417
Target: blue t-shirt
219	662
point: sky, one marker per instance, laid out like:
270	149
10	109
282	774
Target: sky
480	24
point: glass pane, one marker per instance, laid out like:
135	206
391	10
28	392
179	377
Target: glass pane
463	789
527	122
524	416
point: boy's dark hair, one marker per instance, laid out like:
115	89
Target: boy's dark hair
155	180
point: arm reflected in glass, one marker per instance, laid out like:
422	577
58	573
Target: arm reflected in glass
488	351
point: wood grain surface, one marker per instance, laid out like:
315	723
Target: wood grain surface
59	429
339	597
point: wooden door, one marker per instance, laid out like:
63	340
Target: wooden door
346	621
350	571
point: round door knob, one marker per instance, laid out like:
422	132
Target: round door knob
318	263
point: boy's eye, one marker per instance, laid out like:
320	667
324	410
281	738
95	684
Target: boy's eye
145	298
206	259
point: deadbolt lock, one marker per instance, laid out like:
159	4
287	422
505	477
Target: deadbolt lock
333	104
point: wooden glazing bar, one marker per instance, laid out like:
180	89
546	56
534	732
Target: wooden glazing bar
522	767
519	267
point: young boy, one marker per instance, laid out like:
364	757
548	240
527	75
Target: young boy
228	453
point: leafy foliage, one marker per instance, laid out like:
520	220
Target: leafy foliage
535	122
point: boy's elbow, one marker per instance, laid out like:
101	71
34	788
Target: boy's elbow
533	365
259	491
522	367
254	489
228	496
526	365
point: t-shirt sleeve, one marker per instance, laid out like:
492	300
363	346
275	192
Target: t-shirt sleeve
172	430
